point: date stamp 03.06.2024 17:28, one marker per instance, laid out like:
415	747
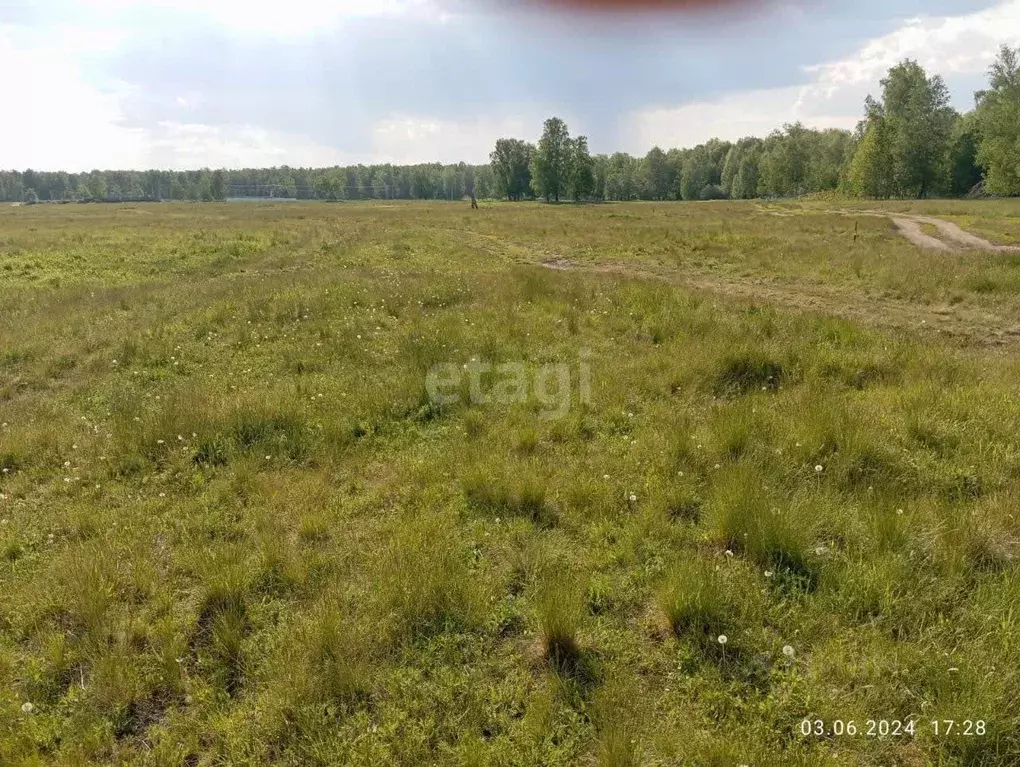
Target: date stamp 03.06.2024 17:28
892	728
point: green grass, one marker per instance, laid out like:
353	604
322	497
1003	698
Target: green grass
234	529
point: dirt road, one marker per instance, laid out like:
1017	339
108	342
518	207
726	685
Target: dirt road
950	236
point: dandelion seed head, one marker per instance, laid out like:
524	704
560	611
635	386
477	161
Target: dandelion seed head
788	651
27	708
723	639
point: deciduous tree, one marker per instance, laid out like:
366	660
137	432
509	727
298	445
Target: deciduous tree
998	118
550	163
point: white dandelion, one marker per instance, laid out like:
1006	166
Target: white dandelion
27	708
723	639
788	651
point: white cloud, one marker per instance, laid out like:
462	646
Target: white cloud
55	119
834	96
262	17
402	140
753	113
193	145
72	122
408	140
948	45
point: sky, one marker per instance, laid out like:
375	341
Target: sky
180	84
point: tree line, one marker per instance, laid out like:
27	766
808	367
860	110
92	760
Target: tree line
911	143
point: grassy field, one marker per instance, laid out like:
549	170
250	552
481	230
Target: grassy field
751	499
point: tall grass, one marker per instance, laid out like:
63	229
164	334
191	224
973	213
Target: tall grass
234	529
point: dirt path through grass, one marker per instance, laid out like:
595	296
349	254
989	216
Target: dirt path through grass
967	325
911	229
951	237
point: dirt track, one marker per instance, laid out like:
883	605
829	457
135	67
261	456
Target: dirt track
963	325
970	326
951	237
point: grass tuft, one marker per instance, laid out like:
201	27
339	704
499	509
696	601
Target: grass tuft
559	621
693	601
745	371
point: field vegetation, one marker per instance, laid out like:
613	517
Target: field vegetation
236	529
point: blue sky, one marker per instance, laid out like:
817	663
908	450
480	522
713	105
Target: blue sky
193	83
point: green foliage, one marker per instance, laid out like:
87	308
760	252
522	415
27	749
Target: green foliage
658	176
551	161
702	167
911	144
965	173
919	119
871	169
581	179
998	116
739	178
511	164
